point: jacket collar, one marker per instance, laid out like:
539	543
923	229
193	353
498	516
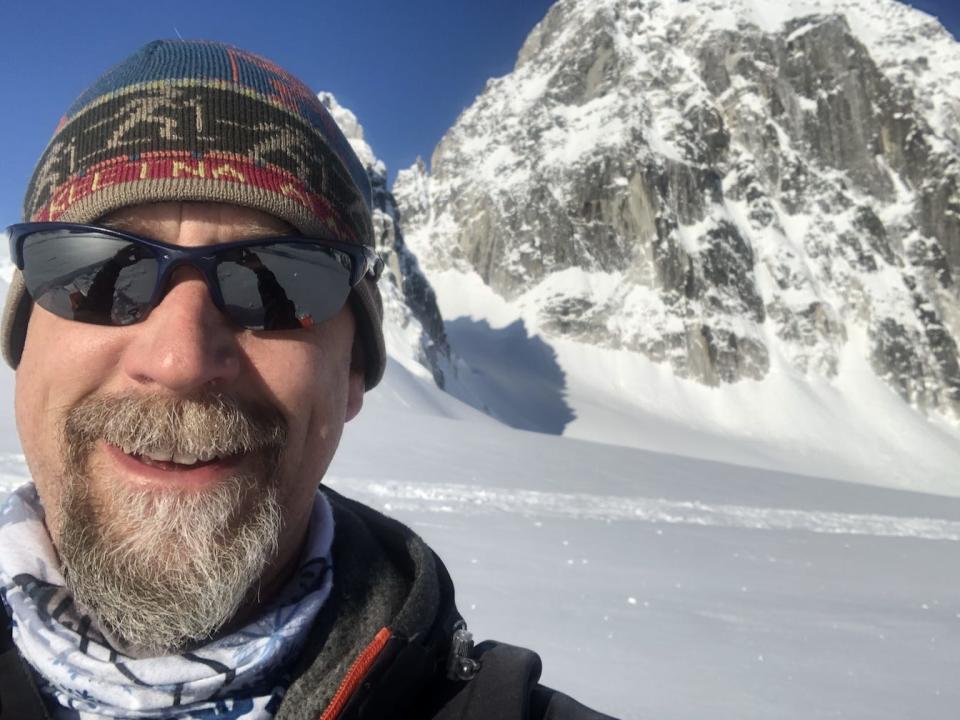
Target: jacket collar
385	632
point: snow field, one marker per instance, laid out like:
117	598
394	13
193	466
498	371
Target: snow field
656	585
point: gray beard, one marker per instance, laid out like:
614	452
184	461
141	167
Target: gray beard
163	571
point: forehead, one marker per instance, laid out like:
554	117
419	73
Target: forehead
219	222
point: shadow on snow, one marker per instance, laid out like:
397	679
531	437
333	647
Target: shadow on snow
516	375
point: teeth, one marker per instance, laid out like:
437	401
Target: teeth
184	459
159	455
181	458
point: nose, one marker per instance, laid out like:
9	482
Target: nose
185	344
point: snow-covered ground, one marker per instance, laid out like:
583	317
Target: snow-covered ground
659	585
852	427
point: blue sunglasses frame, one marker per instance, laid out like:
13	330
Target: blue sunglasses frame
364	261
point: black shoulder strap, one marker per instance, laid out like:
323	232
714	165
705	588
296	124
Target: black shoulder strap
501	689
19	697
507	688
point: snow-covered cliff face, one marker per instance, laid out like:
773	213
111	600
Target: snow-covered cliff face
413	327
727	186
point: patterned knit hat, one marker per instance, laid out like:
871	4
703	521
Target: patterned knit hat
203	121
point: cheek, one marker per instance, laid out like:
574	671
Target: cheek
49	381
62	362
308	383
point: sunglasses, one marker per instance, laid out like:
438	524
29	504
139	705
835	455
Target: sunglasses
106	277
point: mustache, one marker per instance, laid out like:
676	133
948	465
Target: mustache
205	425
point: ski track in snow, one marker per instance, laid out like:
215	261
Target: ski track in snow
474	500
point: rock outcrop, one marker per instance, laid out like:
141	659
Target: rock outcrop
721	191
413	324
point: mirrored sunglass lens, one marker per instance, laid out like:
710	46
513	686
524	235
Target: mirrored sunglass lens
283	286
89	277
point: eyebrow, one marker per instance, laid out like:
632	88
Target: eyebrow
247	230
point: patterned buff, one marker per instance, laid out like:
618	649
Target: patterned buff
242	675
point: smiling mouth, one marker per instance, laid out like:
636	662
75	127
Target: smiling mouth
174	460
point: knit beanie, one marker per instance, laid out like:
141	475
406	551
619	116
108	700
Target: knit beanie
204	121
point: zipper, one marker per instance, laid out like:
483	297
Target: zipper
460	666
355	675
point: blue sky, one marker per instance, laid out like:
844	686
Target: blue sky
406	68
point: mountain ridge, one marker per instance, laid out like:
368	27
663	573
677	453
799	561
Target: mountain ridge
674	180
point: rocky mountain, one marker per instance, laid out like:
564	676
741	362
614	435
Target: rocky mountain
412	322
732	188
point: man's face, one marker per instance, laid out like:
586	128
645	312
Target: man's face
291	390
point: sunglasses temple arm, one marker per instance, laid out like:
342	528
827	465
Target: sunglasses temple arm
374	265
13	245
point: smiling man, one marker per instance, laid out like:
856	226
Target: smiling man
194	317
